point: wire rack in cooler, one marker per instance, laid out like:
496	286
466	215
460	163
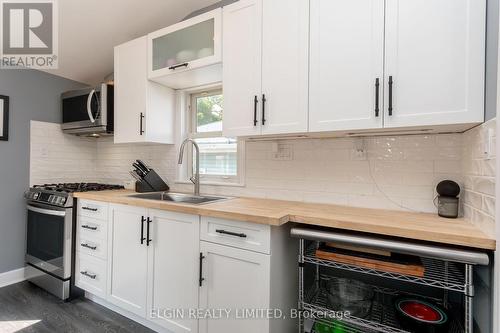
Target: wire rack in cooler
382	316
438	274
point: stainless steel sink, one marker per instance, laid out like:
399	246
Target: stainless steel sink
179	197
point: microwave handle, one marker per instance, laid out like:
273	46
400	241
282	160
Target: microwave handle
89	106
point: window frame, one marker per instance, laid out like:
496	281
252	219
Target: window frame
191	122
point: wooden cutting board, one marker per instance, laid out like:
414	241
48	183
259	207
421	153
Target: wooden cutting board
396	263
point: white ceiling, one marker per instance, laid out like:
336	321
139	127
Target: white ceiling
88	31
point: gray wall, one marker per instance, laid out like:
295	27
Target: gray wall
34	95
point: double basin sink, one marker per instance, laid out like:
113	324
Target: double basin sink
179	197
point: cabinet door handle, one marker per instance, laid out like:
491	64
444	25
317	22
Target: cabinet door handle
201	279
88	227
220	231
174	67
255	102
87	274
90	209
390	95
93	248
141	129
377	96
143	219
264	109
149	240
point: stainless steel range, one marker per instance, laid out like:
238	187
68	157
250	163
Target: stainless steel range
51	235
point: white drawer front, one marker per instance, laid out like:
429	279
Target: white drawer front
92	246
94	209
91	228
91	274
243	235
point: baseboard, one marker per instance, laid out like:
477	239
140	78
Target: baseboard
125	313
11	277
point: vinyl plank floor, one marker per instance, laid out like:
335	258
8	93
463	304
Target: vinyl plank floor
25	308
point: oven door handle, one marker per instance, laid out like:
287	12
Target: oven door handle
47	211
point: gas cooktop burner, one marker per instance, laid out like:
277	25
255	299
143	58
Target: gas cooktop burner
77	187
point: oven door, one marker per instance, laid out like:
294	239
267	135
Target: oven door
84	108
49	233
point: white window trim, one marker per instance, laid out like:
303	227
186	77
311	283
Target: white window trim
186	122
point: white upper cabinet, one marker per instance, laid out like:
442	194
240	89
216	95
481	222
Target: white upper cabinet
347	62
285	65
144	110
265	74
435	54
427	56
242	78
188	53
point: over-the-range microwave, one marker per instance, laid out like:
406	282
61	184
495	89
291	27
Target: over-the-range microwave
88	112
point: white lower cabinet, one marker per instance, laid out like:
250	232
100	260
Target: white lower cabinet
234	280
157	269
128	259
173	257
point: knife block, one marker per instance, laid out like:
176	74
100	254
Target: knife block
152	182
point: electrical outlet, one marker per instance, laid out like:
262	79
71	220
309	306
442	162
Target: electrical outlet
489	145
358	155
44	152
282	152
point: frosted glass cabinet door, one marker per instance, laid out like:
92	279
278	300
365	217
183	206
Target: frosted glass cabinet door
186	45
435	52
347	61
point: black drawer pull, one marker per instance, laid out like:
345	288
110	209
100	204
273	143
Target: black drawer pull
377	96
201	279
391	82
141	126
143	219
148	240
220	231
88	227
92	276
93	248
264	109
91	209
174	67
255	102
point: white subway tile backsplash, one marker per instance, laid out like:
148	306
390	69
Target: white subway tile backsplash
397	172
479	177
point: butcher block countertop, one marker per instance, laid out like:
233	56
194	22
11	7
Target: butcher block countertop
416	226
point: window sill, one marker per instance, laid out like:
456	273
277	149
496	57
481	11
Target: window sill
185	182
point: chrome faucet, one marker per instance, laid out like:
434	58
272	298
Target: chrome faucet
196	178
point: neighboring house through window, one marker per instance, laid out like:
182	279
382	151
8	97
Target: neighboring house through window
220	157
